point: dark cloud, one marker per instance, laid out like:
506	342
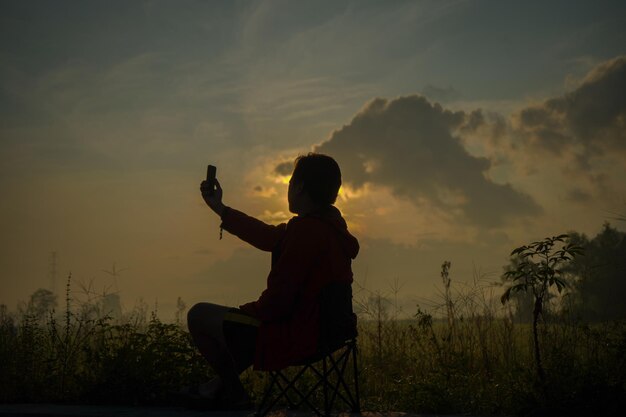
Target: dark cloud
284	168
413	146
442	94
592	117
577	195
474	121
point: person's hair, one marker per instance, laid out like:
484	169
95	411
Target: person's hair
320	175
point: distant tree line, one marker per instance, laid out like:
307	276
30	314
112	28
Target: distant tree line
596	280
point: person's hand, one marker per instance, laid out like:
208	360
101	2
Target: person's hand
214	198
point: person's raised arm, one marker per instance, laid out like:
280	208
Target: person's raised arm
257	233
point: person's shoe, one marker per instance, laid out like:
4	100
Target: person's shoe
201	404
240	401
200	397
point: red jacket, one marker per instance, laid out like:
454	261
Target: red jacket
308	253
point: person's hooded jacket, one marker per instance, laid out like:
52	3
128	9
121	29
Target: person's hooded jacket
308	253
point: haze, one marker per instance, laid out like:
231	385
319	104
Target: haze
463	129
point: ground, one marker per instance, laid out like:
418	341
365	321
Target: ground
53	410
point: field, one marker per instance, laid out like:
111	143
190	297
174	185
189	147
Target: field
466	356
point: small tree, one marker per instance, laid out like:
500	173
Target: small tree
539	268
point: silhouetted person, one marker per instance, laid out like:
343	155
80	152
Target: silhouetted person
309	252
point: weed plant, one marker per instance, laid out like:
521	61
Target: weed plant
463	355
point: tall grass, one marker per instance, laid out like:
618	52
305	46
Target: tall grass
464	354
90	357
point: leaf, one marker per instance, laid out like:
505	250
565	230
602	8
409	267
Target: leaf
518	250
577	250
507	294
560	282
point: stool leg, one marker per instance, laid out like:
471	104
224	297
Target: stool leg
357	406
262	409
325	375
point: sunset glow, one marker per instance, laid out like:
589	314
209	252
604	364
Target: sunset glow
463	130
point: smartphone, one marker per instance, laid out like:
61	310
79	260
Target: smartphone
211	171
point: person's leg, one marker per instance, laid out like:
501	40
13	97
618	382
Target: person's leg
205	321
240	333
226	337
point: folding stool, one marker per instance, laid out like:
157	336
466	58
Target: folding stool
329	367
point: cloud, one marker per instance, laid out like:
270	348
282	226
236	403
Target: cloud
576	195
577	139
414	147
264	192
275	217
440	94
590	120
284	168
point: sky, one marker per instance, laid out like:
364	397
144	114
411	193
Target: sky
463	129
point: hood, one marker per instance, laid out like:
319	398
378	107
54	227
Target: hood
333	217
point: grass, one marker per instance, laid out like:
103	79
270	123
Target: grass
89	357
464	355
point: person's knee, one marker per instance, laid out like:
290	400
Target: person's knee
195	315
